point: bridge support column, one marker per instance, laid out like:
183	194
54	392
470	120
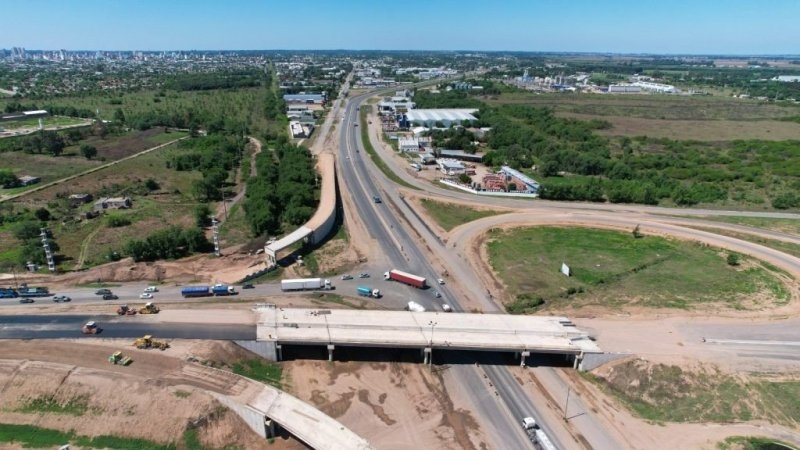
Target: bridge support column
428	351
330	352
278	352
269	427
522	357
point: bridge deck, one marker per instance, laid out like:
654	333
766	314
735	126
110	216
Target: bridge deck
413	329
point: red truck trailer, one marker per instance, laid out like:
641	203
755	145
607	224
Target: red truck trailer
405	277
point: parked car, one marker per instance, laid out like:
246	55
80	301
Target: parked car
102	291
363	275
146	295
26	300
248	286
110	296
61	298
347	276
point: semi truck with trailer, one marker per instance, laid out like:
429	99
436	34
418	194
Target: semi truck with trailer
536	434
223	289
34	292
306	284
8	293
406	278
368	292
196	291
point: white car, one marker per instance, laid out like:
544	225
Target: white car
151	289
146	295
440	281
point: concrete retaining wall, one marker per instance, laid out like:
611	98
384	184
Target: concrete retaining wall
265	349
594	360
254	419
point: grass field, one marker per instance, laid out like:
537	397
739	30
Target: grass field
29	436
697	130
753	443
786	247
664	393
260	370
665	107
51	121
614	269
449	215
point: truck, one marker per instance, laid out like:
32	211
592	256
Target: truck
223	289
405	277
536	434
415	307
196	291
34	292
8	293
368	292
306	284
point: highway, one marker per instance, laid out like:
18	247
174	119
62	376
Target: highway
499	420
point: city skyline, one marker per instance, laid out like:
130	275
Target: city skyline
582	26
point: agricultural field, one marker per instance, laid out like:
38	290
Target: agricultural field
617	270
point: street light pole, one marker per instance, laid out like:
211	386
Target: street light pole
432	324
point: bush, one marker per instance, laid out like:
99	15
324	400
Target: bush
116	221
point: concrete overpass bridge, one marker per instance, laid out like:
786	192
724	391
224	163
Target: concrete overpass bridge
426	331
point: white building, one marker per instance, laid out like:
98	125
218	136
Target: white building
407	145
787	78
451	166
447	117
624	89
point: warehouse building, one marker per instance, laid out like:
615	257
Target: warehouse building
443	117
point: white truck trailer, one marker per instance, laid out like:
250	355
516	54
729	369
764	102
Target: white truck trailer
306	284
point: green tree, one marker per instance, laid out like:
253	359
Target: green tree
88	151
7	178
42	214
733	259
27	230
151	184
202	215
52	142
119	116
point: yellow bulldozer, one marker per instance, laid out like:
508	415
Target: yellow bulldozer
148	342
119	359
149	308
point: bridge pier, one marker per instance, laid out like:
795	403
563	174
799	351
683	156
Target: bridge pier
428	352
522	357
269	427
330	352
278	352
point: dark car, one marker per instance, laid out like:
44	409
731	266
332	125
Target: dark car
248	286
376	199
102	291
26	300
110	296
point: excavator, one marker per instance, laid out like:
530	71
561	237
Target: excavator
125	310
119	359
149	308
147	341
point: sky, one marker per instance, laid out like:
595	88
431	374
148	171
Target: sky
738	27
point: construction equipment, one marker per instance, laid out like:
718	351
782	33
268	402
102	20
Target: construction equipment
125	310
149	308
91	328
118	359
147	341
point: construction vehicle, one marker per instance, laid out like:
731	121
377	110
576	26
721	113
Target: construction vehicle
147	341
118	359
91	328
125	310
149	308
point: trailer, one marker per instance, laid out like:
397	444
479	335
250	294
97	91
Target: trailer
223	289
306	284
415	307
8	293
406	278
34	292
196	291
368	292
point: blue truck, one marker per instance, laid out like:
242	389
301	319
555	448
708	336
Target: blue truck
34	292
223	289
196	291
8	293
368	292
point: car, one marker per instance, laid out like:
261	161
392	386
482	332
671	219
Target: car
437	294
376	199
248	286
151	289
26	300
363	275
146	295
347	276
440	281
102	291
110	296
61	298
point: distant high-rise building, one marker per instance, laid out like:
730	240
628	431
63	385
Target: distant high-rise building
17	53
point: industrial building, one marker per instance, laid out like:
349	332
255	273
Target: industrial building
315	99
451	167
445	117
461	155
530	185
408	145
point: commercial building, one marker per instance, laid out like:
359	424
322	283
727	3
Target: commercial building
451	167
443	117
408	145
316	99
529	185
461	155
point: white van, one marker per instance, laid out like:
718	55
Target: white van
151	289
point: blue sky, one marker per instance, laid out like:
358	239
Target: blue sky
619	26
